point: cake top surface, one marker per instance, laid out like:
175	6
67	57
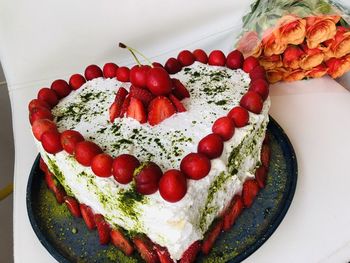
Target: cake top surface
214	90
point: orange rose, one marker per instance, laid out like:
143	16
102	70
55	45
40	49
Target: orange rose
250	44
338	66
320	29
317	72
291	30
272	45
339	46
271	62
294	75
292	56
312	57
275	75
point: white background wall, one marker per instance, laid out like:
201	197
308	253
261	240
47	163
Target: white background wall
6	172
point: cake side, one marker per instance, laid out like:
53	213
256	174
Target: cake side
188	219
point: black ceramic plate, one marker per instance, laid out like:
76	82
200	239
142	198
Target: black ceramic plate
68	240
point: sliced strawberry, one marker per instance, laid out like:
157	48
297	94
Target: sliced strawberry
211	236
125	106
88	216
55	187
179	90
114	111
60	193
103	229
190	254
73	206
50	180
115	108
249	192
261	175
142	94
177	103
233	212
145	247
120	241
121	95
266	139
42	165
265	155
136	110
160	109
163	254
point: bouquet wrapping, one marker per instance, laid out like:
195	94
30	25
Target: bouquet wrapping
297	39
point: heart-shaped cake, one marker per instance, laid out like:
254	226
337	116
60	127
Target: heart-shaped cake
154	155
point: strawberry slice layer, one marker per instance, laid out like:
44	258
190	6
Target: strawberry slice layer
160	109
177	103
179	90
88	216
136	110
211	237
116	107
103	229
120	241
233	212
190	254
73	206
145	247
249	192
142	94
163	254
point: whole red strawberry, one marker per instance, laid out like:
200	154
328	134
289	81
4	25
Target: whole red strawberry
186	58
252	101
195	166
234	60
224	127
41	126
76	81
50	141
61	87
109	70
211	145
92	72
39	114
200	56
173	185
101	165
217	58
172	66
123	168
250	63
85	151
49	96
69	139
261	87
239	115
147	178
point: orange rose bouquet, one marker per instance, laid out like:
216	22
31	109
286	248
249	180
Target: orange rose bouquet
297	39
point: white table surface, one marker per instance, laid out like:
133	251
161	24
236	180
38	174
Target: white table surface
315	116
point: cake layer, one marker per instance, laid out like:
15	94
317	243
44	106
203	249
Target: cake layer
214	91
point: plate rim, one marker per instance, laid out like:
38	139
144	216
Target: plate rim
274	224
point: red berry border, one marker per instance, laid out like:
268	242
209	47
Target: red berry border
150	251
210	147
